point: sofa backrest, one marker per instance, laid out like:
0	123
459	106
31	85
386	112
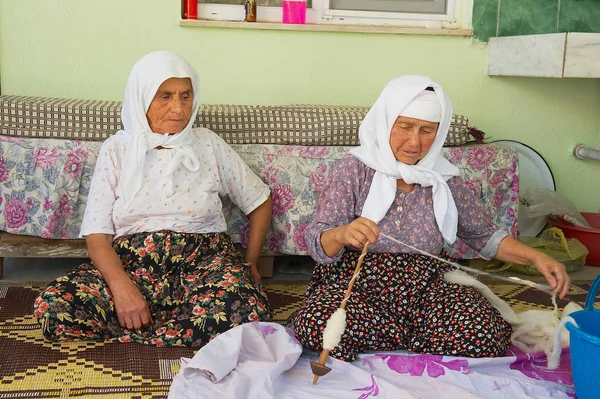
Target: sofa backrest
40	117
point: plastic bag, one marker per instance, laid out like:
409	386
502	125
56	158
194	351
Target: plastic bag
544	202
568	251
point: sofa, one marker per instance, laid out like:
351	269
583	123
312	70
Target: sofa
48	149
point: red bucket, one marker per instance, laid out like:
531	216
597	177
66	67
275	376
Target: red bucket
588	237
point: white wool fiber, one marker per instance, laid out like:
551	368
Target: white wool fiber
533	330
554	356
334	329
462	278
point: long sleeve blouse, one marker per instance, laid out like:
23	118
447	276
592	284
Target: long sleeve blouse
410	219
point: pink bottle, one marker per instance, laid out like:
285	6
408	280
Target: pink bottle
294	12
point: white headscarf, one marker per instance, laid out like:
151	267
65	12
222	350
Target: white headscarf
145	78
433	170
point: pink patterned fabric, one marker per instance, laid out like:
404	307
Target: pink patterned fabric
44	185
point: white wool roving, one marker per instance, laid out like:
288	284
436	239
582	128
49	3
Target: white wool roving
533	330
462	278
334	329
562	334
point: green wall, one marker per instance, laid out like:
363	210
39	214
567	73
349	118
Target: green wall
81	49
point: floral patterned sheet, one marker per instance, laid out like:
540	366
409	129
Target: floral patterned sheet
44	185
261	360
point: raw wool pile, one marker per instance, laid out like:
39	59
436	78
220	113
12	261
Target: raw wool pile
533	330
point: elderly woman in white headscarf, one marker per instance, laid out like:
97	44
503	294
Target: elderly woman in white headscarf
163	269
398	183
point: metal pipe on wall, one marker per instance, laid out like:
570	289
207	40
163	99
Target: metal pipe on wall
581	152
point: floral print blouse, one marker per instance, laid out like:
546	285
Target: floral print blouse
410	219
184	201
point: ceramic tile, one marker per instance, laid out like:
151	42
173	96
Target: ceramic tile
579	16
519	17
485	13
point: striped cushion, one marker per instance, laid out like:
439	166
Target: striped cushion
237	124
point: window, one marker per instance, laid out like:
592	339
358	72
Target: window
411	6
410	13
416	13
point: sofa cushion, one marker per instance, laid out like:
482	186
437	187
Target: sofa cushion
39	117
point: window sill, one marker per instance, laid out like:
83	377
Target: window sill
399	30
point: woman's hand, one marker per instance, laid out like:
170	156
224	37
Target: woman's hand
132	309
130	304
254	272
513	251
358	232
554	272
355	233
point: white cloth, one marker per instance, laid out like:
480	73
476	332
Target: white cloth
182	201
433	170
425	106
255	361
145	78
244	362
262	360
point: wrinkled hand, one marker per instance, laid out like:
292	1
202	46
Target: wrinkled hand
132	309
255	274
358	232
555	274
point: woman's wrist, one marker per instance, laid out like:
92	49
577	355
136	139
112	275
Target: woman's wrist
253	262
538	257
338	236
331	241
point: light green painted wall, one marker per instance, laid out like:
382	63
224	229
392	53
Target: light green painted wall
82	49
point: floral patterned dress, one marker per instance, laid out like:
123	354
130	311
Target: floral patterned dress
196	287
400	299
171	243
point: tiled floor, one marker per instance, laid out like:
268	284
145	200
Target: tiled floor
286	268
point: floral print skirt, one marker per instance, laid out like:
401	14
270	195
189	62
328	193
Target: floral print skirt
196	287
399	301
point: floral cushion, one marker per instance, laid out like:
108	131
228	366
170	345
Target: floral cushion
44	185
45	182
296	175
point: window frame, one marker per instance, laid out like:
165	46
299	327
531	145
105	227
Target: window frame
402	6
449	19
458	15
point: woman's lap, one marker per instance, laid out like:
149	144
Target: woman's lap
400	295
196	287
458	320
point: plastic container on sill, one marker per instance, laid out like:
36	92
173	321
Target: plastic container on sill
294	12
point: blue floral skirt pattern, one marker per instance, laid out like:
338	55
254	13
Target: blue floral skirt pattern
196	287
